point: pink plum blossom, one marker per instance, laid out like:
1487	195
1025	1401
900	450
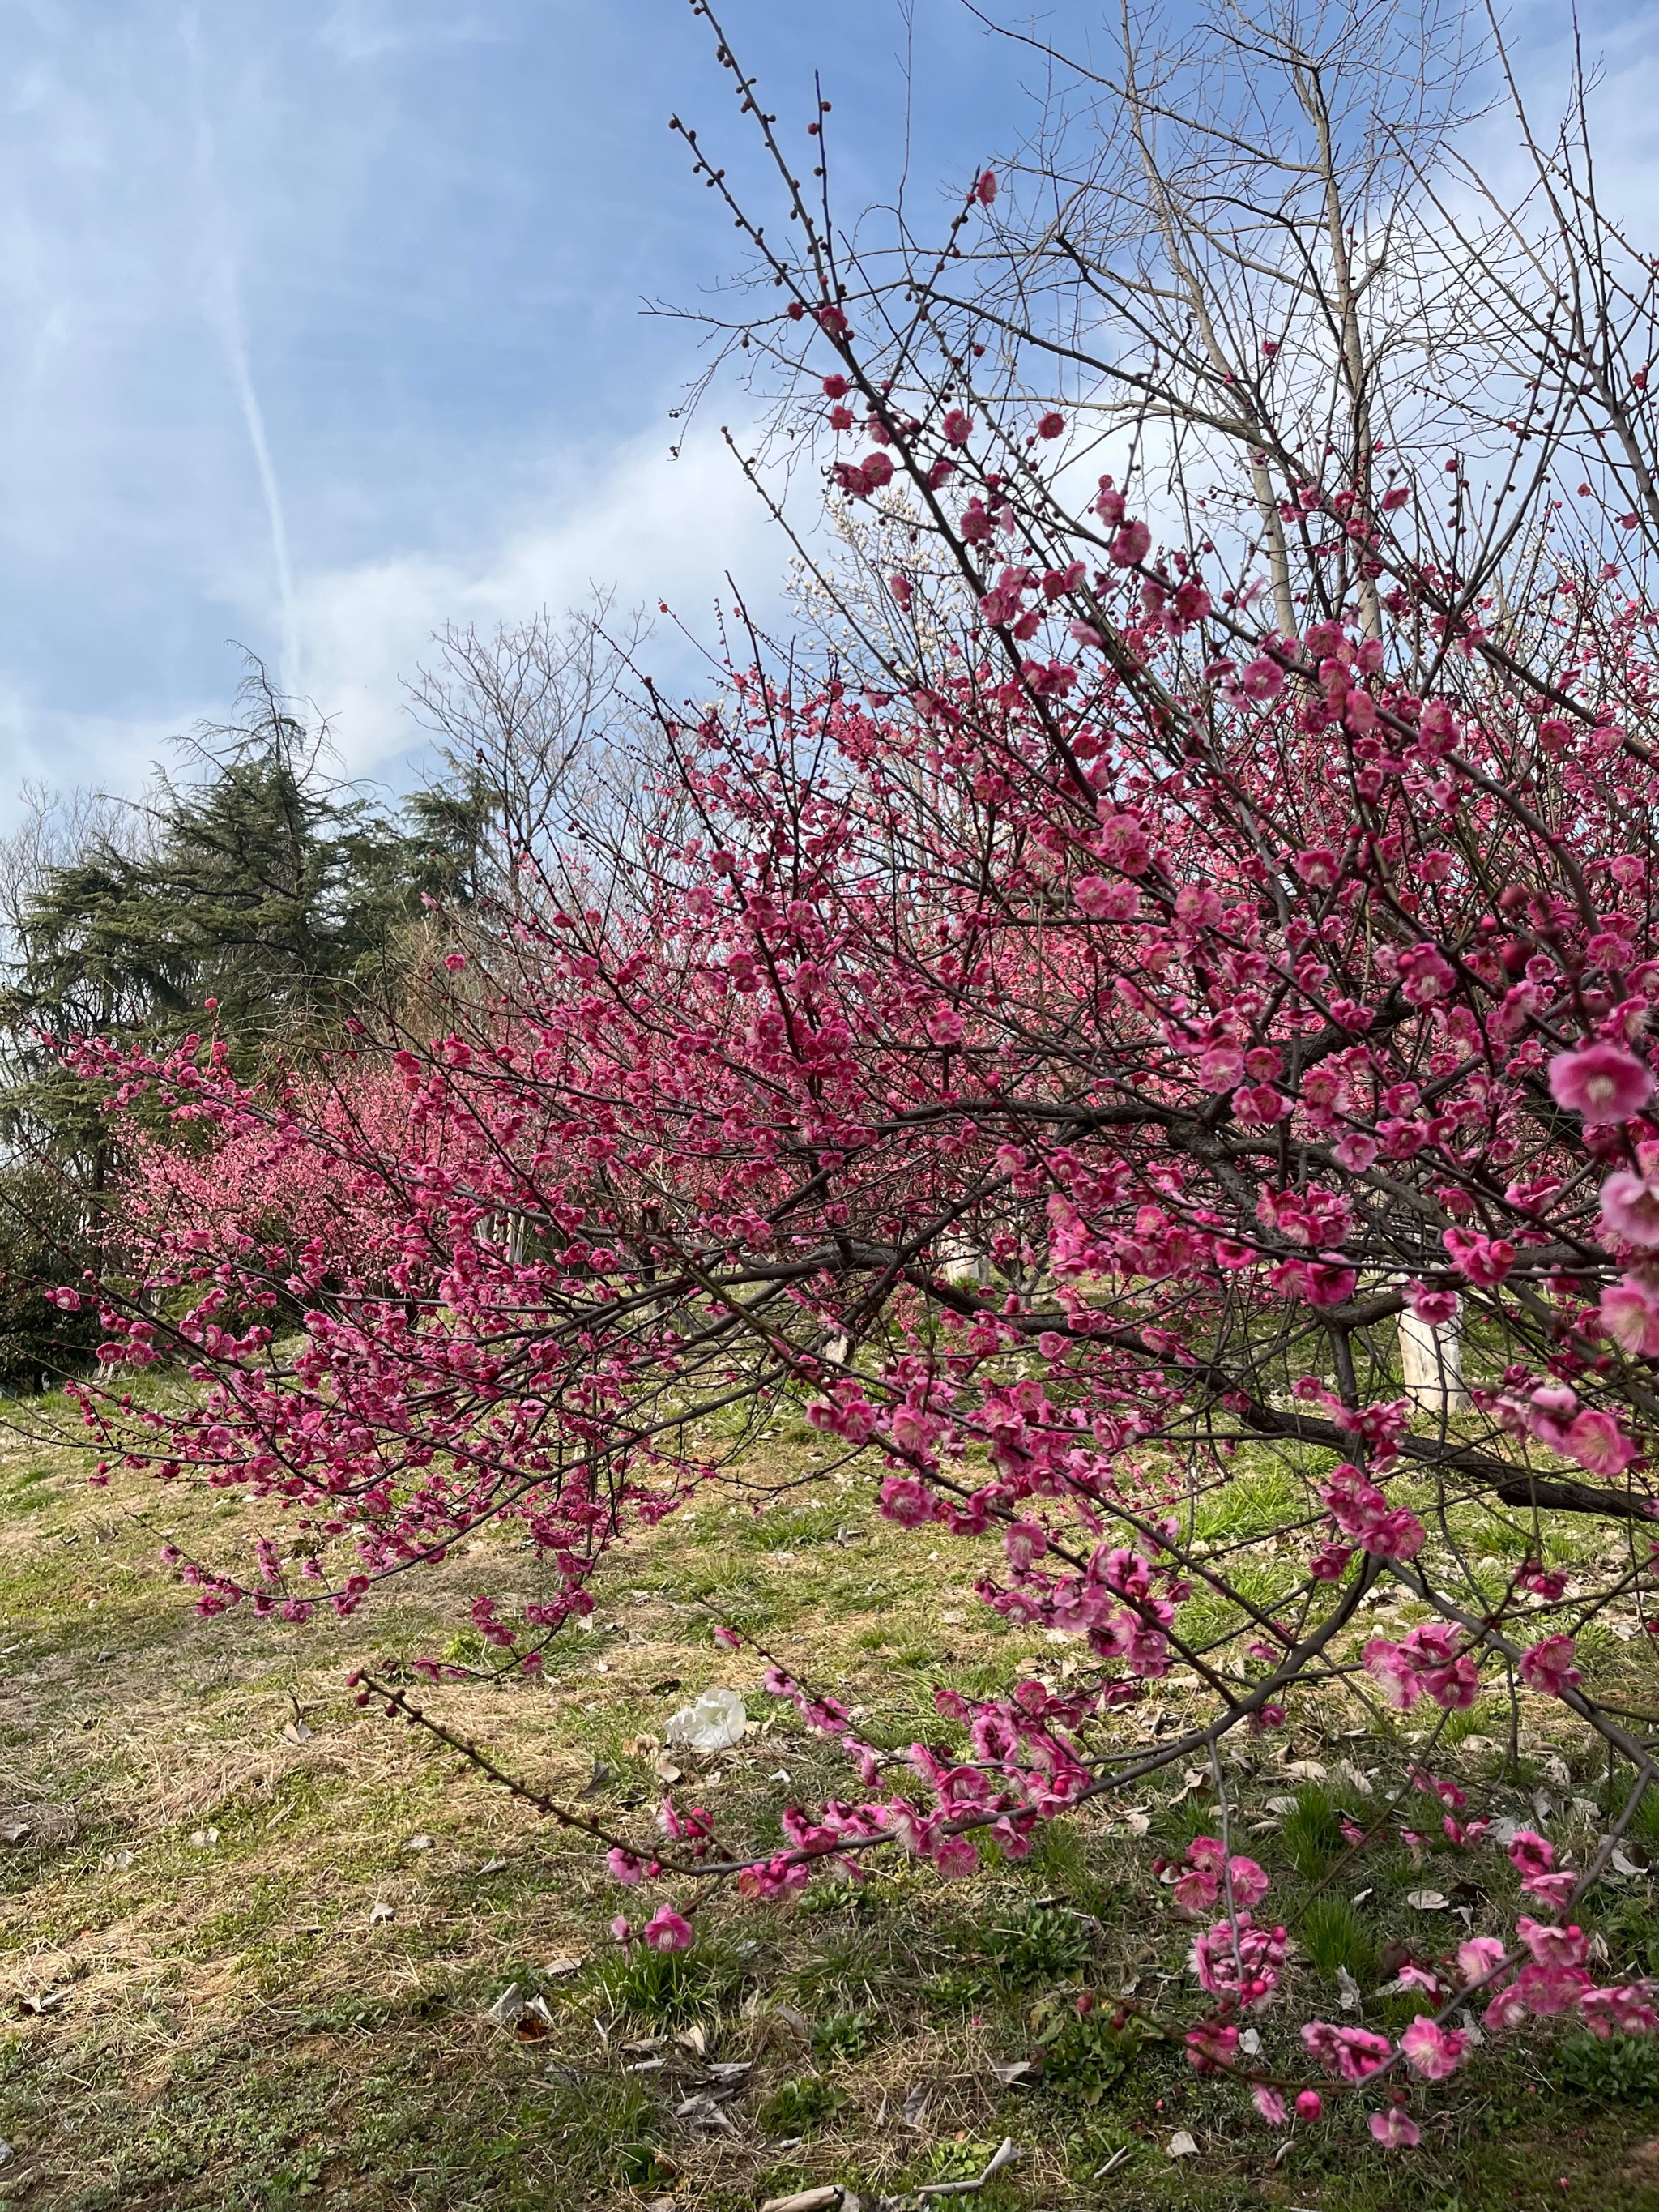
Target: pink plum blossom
1395	2130
1433	2052
1351	2053
1389	1668
1626	2009
1240	1961
1130	545
1596	1442
956	1858
1552	1946
1601	1082
1630	1312
1630	1204
1478	1956
1548	1990
1529	1853
1212	2046
1548	1666
1261	680
667	1930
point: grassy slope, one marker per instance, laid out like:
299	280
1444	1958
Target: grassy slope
230	2022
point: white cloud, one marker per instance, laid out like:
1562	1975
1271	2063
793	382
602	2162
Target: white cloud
646	526
368	30
59	749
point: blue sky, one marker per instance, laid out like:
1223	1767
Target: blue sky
320	324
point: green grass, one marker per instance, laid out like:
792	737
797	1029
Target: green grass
1311	1836
1334	1937
236	2027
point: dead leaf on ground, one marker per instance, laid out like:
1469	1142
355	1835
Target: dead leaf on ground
1427	1900
914	2105
1010	2070
569	1964
1182	2145
780	2022
702	2108
527	2018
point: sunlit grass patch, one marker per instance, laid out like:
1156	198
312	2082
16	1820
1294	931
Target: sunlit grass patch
239	2029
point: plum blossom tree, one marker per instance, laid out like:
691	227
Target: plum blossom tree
1236	985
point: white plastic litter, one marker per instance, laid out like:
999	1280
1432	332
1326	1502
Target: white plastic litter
714	1723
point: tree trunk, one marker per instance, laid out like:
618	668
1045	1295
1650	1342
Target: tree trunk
1432	1364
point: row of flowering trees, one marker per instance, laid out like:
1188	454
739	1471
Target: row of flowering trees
1056	1042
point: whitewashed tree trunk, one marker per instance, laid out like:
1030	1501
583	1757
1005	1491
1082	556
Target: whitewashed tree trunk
1432	1364
962	1261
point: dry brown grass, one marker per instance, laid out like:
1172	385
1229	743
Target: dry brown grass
231	2023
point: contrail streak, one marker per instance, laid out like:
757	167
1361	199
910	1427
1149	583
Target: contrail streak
225	307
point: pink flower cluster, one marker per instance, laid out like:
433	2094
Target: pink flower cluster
1433	1660
1209	1871
1360	1509
1236	1960
1024	1053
